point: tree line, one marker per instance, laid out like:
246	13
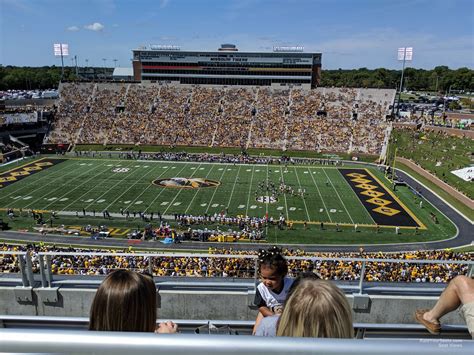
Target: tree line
440	78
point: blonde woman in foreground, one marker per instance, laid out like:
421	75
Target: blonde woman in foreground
317	309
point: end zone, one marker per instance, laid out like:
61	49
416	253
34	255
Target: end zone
383	206
19	173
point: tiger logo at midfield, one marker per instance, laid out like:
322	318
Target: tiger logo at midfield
186	183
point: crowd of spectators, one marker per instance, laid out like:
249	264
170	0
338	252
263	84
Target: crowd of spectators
102	113
201	116
242	158
241	221
269	126
139	103
323	119
72	109
238	108
230	266
250	228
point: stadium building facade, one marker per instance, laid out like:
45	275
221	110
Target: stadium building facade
227	66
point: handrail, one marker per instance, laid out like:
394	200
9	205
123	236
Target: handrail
45	270
364	261
218	322
176	255
239	256
8	252
24	264
64	341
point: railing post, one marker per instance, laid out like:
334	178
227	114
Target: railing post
362	276
29	269
21	264
150	265
255	276
470	270
49	272
42	271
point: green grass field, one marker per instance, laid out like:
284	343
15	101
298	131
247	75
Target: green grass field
99	184
436	153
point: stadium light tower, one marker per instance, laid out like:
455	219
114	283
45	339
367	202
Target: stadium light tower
115	63
61	50
87	63
75	63
104	59
404	54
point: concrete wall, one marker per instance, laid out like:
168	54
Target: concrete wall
214	304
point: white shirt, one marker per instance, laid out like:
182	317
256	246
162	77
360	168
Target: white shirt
273	299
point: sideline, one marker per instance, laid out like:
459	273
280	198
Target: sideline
465	200
438	196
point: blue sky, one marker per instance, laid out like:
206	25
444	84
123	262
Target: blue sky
349	33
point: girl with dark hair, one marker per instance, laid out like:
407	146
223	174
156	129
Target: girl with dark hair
273	288
126	301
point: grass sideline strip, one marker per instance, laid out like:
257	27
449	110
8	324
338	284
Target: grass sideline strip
226	150
469	213
105	246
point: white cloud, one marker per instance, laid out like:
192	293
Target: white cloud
73	28
167	38
164	3
96	26
17	5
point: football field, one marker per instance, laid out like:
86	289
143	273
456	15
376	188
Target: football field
299	193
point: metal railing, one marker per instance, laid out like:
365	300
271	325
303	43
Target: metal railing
44	263
25	266
241	327
63	341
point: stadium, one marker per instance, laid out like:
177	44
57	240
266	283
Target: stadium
201	160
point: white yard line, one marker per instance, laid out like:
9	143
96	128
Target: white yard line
304	200
350	217
87	192
319	193
215	190
45	176
284	195
266	204
233	187
131	186
49	193
106	192
248	195
197	191
179	191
